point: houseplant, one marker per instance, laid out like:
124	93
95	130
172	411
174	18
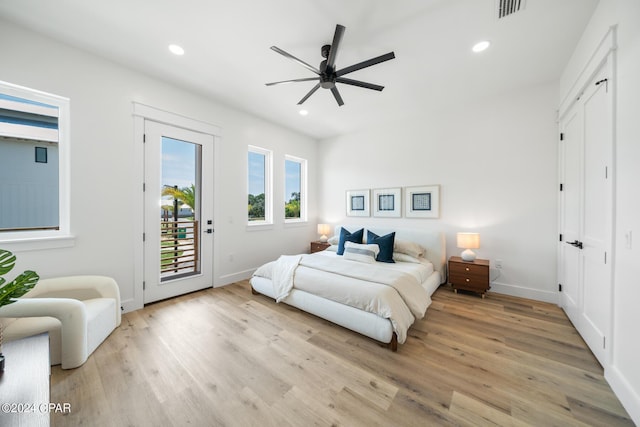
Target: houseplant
14	289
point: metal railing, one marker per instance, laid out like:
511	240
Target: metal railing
179	248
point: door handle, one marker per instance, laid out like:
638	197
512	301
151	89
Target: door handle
575	243
209	230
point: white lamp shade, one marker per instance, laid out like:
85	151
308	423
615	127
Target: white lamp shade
323	230
468	241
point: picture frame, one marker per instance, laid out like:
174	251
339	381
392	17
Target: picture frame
358	203
387	202
422	201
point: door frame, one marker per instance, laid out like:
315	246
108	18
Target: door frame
142	112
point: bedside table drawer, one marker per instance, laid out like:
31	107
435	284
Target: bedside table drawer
318	246
467	269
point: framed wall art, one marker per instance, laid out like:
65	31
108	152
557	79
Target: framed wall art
422	202
358	203
387	202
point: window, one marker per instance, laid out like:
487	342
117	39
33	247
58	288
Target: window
295	189
259	186
34	199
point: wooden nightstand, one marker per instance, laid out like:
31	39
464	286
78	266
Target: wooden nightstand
319	246
469	275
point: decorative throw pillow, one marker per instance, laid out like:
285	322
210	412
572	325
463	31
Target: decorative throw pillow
361	252
385	243
346	236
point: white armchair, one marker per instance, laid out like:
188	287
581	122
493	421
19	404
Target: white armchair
79	312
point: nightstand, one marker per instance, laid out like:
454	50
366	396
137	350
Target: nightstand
319	246
469	275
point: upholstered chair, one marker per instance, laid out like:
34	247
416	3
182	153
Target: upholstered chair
78	312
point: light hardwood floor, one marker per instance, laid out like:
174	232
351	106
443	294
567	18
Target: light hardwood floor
226	357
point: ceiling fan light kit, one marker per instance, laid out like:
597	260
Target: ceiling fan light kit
327	75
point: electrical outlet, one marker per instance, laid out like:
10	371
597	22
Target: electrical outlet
498	264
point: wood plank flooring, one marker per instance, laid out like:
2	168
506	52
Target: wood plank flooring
224	357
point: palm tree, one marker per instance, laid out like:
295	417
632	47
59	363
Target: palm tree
184	195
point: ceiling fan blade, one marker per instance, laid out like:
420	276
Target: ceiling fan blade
336	95
365	64
293	58
315	88
359	83
292	81
337	38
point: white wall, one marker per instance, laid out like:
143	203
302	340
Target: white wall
495	162
624	372
102	165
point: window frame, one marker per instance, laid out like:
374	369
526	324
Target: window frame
268	185
46	239
303	188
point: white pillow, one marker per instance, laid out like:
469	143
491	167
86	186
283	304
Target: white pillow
400	257
361	252
333	240
409	248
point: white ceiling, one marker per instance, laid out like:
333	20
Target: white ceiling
228	56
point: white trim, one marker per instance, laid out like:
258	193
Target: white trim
140	113
594	63
623	391
43	239
303	188
524	292
268	186
173	119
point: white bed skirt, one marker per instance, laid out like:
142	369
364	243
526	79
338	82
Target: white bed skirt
363	322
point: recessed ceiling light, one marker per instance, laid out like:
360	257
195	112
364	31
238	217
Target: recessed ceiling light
480	46
303	112
176	50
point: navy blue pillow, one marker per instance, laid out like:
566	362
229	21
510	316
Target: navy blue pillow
346	236
385	243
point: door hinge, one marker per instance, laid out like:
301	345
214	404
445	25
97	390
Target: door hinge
561	136
605	257
559	287
561	187
604	342
561	237
144	137
144	237
144	285
606	172
144	187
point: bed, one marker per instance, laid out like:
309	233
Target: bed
377	299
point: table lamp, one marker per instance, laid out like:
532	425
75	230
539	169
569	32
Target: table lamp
468	241
323	230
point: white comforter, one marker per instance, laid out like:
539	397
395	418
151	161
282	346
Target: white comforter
383	289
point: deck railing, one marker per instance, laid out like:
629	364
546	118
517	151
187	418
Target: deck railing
179	248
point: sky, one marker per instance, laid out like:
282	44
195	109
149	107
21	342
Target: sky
178	163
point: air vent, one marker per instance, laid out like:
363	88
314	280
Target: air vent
509	7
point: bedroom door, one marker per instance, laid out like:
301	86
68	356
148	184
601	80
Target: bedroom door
178	217
586	205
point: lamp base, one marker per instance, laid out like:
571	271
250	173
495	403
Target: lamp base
323	238
468	255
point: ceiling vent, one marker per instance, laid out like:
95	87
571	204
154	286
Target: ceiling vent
509	7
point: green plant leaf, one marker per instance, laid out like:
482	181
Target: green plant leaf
18	286
7	261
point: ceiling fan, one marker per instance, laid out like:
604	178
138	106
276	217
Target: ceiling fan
327	75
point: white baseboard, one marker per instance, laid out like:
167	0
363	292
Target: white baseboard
522	292
625	393
227	279
129	305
